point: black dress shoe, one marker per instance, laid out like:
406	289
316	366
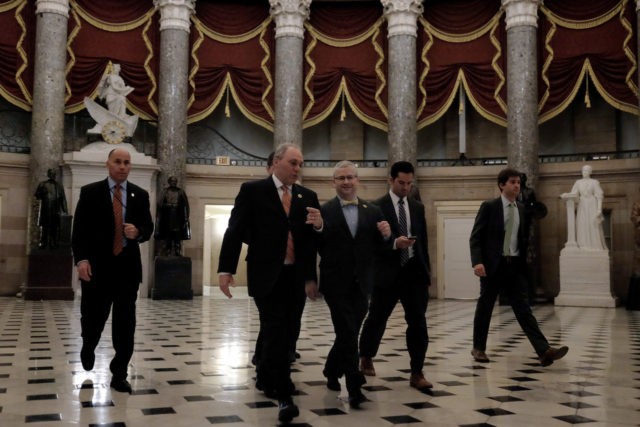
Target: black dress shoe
88	358
356	399
122	385
333	383
287	411
553	354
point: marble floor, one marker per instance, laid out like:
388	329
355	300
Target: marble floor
192	367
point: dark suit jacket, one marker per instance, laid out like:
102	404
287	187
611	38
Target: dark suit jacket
259	220
344	257
487	235
388	266
93	228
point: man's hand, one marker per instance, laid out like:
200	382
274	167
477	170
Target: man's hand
479	270
404	242
384	228
84	271
225	281
314	217
311	289
130	231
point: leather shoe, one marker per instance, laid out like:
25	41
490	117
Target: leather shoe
419	382
553	354
287	411
366	367
333	383
122	385
88	358
356	399
479	355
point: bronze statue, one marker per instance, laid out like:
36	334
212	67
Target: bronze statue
172	219
53	204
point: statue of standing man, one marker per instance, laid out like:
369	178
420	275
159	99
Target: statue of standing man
53	204
172	219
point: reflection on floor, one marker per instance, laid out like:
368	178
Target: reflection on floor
192	368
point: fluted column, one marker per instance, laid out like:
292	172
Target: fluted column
289	16
47	118
173	88
402	16
522	86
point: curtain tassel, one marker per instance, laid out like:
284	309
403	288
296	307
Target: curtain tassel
227	111
343	113
587	100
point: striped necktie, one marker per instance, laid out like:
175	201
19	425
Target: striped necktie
286	204
402	229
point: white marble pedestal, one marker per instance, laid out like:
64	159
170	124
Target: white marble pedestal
585	279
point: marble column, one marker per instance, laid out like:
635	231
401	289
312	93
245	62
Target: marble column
638	50
47	118
522	86
289	16
173	90
402	16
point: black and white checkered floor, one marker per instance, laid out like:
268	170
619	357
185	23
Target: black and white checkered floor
192	367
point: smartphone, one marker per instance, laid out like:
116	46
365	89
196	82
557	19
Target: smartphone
411	237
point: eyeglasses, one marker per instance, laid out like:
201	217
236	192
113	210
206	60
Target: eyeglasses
345	178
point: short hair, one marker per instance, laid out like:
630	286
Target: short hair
344	164
401	166
270	159
282	148
507	173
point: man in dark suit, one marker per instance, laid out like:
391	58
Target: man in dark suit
498	246
276	218
352	231
112	218
403	275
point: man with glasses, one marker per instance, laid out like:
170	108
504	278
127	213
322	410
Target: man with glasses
352	231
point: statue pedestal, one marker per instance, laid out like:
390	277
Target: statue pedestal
172	279
585	279
49	275
633	295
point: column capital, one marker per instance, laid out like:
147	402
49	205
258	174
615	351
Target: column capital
61	7
521	13
175	14
402	16
289	16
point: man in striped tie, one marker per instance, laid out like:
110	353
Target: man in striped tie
498	246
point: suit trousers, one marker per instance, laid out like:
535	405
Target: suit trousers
414	298
347	313
510	279
276	310
98	297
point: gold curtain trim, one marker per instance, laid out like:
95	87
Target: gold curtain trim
461	38
496	67
588	23
23	55
72	57
195	67
545	67
149	71
379	72
312	71
110	26
266	71
352	41
207	111
230	39
425	71
629	108
631	83
14	100
10	5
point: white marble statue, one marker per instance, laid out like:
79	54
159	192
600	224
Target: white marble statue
589	196
112	122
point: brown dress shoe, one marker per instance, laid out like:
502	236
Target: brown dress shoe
553	354
366	367
479	356
419	381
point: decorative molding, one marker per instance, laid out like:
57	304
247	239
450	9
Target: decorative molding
175	14
60	7
402	16
521	13
289	16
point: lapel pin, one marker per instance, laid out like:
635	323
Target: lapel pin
364	206
132	195
299	196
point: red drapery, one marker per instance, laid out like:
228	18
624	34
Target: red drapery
459	42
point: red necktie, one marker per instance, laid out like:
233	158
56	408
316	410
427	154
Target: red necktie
118	237
286	204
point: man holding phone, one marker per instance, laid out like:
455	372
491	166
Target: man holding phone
403	274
